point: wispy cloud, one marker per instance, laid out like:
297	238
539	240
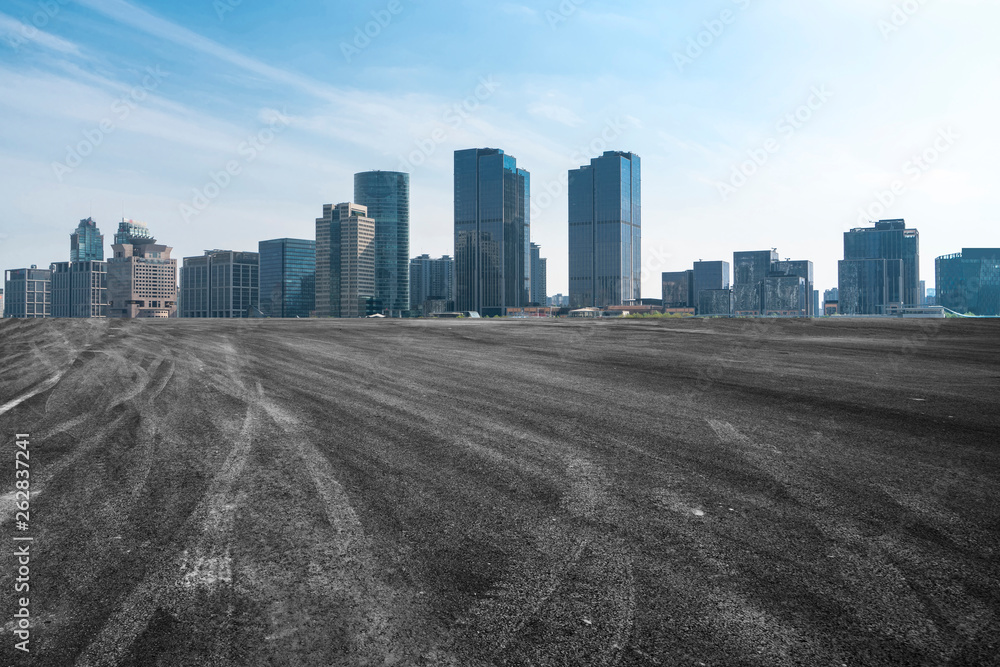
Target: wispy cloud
557	113
17	33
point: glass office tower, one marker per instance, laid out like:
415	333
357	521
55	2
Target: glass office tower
287	277
492	232
709	276
880	271
386	195
969	281
86	244
605	231
678	289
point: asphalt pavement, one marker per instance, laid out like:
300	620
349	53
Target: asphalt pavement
504	492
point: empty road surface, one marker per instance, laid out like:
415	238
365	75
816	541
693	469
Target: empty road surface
466	493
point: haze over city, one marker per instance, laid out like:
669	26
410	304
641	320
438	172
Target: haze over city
759	124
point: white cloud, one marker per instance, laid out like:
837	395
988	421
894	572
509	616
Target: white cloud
557	113
17	34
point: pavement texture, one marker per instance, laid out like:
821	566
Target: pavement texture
466	493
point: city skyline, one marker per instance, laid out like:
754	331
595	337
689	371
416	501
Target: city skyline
813	141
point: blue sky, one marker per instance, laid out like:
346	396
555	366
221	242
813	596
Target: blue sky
222	123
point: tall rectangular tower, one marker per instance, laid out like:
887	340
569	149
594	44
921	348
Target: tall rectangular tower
539	277
492	232
357	264
605	231
345	260
386	195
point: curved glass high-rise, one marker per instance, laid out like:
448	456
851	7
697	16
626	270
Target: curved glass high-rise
386	195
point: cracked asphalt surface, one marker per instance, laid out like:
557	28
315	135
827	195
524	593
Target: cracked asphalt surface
465	493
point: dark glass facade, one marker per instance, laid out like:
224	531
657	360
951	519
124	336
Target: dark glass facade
969	282
492	232
539	276
86	244
605	231
874	257
432	280
785	296
287	277
869	286
678	289
715	302
386	195
750	269
709	276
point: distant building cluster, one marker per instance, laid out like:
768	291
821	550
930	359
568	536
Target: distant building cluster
358	264
764	286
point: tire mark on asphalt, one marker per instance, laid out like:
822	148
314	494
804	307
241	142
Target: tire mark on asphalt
593	577
209	565
378	618
211	560
41	388
729	435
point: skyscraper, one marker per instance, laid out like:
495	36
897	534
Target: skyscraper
345	261
142	279
386	195
220	283
969	281
86	244
287	277
492	232
880	272
539	277
605	231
